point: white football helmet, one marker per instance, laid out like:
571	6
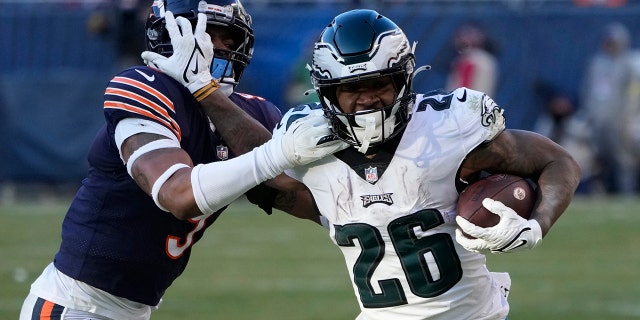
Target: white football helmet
360	45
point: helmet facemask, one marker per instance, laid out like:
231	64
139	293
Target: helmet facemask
367	128
227	65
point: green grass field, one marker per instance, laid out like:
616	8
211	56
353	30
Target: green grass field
253	266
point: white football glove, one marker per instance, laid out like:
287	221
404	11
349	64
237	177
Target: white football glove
190	62
306	140
511	234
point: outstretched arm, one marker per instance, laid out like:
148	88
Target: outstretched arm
165	171
241	132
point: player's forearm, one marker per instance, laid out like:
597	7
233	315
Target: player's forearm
177	196
168	175
558	183
294	198
239	130
174	194
207	188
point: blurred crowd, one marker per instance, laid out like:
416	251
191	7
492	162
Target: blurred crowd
124	20
599	123
601	127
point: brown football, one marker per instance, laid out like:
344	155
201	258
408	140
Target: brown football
515	192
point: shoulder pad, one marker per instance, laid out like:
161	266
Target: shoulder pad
472	103
471	109
492	117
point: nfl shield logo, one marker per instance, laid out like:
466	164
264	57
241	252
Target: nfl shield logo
222	152
371	174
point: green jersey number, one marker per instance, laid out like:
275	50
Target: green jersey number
430	263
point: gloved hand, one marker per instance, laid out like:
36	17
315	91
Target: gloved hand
306	140
190	62
511	234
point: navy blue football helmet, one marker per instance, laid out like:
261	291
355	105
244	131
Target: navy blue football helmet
360	45
228	65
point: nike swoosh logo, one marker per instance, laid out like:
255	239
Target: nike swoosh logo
195	70
522	241
464	97
149	78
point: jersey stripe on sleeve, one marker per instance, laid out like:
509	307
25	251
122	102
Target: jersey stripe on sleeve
133	96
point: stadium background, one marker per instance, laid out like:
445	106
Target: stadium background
53	71
253	266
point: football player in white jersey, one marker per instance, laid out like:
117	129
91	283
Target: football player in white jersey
390	201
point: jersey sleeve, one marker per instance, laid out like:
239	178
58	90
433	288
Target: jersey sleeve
142	93
479	118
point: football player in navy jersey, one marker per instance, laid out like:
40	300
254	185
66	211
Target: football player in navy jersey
389	201
178	146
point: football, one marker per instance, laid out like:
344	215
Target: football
515	192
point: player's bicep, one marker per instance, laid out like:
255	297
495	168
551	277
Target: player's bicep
135	142
516	152
133	126
146	166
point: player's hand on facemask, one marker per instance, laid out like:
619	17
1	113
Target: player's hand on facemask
512	233
190	62
309	139
305	140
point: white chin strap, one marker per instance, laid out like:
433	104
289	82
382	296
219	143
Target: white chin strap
370	127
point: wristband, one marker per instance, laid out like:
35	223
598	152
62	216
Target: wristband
205	91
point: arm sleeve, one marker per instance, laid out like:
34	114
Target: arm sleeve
217	184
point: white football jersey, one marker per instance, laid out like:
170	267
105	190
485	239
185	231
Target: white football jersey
396	228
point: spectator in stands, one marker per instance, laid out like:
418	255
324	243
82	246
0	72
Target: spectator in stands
559	122
124	21
605	98
631	124
601	3
475	67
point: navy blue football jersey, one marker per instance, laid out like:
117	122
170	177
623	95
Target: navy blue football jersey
114	237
